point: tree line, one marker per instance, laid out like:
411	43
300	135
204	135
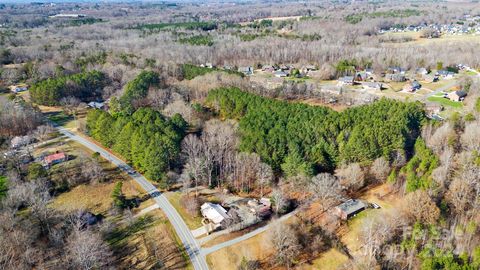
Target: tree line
300	139
146	139
84	86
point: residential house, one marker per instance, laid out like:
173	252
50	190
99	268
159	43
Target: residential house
268	68
280	74
372	86
412	86
457	95
347	80
363	76
53	159
396	77
18	88
396	70
214	213
422	71
246	70
209	65
308	68
445	74
349	208
262	207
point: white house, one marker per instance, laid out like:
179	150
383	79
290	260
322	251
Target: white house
214	213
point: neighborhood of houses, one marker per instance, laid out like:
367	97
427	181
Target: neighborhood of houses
468	24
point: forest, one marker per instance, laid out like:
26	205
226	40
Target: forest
84	86
301	139
145	138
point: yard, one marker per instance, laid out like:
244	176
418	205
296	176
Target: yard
191	221
446	102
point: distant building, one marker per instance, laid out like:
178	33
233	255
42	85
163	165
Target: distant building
280	74
397	77
214	213
412	86
53	159
422	71
445	74
457	95
246	70
372	86
347	80
349	208
65	15
268	68
20	141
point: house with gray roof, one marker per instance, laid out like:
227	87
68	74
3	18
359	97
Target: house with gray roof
349	208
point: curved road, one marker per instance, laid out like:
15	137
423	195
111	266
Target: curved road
191	246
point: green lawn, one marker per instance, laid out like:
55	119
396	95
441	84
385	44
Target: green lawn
446	102
3	186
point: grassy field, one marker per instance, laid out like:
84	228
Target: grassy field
446	102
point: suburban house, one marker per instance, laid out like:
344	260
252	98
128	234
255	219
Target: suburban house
308	68
213	214
396	70
372	86
363	76
246	70
17	88
349	208
422	71
209	65
280	74
412	86
268	68
347	80
445	74
457	95
53	159
396	77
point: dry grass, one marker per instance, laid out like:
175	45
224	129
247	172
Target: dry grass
329	260
255	248
94	197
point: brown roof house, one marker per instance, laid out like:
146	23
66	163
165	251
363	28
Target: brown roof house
349	208
53	159
457	95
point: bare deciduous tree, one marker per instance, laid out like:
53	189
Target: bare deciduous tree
285	243
86	250
351	176
380	169
419	206
327	189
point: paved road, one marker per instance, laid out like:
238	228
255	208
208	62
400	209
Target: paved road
189	242
246	236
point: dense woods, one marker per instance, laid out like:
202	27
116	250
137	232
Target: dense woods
301	139
84	86
146	139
